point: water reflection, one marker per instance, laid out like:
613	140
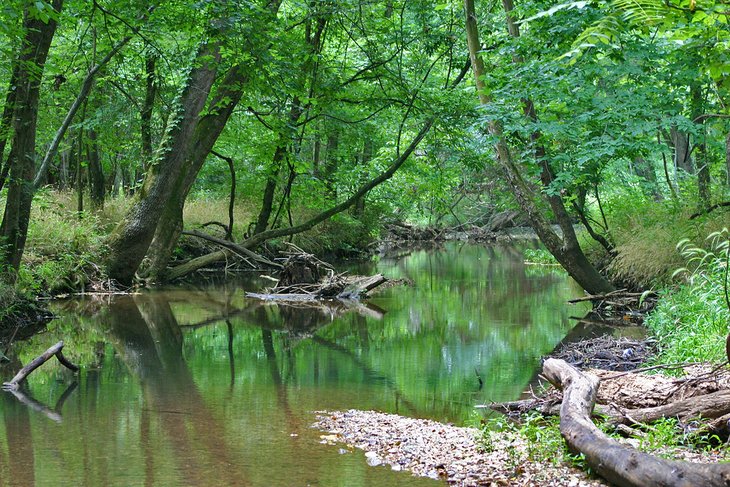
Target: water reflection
202	386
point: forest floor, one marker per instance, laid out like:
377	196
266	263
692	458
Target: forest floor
529	453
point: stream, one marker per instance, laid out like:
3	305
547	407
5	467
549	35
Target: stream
198	385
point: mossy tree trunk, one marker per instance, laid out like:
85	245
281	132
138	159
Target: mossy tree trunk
130	240
207	131
21	165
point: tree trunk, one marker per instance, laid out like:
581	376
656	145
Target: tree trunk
645	170
367	155
6	123
617	463
566	250
131	239
147	107
272	178
96	173
207	131
331	164
31	61
682	152
703	165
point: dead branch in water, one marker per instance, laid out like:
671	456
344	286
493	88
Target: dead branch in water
37	362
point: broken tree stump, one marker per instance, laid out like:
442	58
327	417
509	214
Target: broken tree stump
617	463
37	362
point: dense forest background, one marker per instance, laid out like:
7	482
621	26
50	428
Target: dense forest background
125	124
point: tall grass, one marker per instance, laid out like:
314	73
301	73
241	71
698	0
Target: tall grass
691	322
645	233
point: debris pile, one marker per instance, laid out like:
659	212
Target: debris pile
304	277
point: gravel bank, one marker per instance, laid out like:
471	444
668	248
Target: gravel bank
431	449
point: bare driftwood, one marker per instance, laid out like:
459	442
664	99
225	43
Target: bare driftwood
37	362
619	464
334	287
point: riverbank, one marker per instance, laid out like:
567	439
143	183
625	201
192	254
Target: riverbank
532	451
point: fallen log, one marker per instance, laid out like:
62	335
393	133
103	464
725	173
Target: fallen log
37	362
707	406
238	249
617	463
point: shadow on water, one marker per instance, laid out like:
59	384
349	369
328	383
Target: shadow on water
205	387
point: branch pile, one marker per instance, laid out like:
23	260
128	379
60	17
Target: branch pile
621	305
606	353
404	232
304	277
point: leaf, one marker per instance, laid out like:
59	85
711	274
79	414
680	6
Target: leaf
557	8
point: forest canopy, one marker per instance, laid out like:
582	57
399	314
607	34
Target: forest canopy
354	114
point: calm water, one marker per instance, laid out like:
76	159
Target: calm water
201	386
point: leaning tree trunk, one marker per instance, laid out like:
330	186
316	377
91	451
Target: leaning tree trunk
566	250
6	122
207	131
619	464
131	239
32	58
145	114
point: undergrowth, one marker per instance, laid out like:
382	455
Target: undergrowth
691	321
644	233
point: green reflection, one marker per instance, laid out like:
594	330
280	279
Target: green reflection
202	386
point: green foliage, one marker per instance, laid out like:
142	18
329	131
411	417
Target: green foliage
691	322
537	439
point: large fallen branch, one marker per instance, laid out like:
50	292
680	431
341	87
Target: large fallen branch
613	461
37	362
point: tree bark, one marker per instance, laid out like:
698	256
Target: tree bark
96	173
272	177
703	165
147	107
619	464
31	61
566	250
131	239
6	123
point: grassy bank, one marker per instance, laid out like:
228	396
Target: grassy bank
65	249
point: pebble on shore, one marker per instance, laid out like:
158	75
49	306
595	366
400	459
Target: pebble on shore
440	451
